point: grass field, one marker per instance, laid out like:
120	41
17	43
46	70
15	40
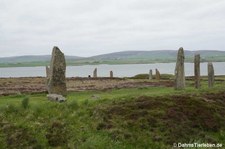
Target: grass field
148	117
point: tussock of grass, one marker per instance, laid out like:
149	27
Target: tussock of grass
146	76
25	102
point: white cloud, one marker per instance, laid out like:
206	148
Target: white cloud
91	27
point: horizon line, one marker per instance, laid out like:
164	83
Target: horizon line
106	53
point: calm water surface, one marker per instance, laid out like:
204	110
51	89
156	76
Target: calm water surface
126	70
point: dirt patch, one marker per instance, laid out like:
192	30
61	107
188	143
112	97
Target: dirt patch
180	118
9	86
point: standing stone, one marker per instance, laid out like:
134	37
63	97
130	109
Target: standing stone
47	71
179	70
157	74
95	73
210	75
47	74
197	70
57	78
111	74
150	74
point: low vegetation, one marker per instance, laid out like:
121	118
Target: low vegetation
146	76
147	117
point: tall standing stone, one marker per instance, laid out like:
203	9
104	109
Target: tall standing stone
210	75
111	74
47	71
47	74
197	70
95	73
57	78
150	74
157	74
179	70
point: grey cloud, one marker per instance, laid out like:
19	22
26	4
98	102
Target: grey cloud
91	27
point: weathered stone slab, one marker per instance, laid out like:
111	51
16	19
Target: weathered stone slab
210	75
57	78
56	97
179	70
111	74
47	75
95	73
197	70
150	74
157	74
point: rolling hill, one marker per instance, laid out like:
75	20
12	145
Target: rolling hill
32	58
125	57
160	54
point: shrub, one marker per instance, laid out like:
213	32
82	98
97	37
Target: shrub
57	134
73	105
166	76
25	102
85	102
11	108
141	76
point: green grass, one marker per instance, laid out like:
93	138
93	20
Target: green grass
148	117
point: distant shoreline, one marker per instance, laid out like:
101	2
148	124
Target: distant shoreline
41	64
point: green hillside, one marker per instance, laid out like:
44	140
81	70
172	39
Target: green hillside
149	117
125	57
32	58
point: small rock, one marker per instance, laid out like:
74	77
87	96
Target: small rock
56	97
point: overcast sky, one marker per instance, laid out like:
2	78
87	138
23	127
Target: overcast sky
92	27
